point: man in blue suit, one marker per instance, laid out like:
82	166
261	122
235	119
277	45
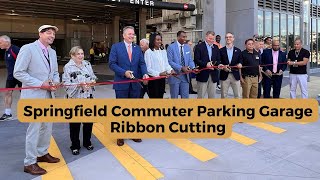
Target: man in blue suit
180	59
206	55
275	59
127	61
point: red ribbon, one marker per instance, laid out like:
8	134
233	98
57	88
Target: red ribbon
132	80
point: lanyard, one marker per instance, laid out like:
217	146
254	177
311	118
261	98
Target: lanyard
47	58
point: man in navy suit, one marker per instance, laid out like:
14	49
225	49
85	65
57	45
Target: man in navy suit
180	59
275	59
206	55
230	56
127	61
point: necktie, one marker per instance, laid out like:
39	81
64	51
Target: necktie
129	52
46	55
182	57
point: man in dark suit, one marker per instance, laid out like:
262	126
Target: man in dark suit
273	73
206	55
230	56
127	61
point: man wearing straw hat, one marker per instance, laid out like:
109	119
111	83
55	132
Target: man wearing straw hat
37	66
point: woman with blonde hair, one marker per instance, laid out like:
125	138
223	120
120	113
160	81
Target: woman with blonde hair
78	78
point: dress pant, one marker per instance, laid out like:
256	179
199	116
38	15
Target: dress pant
38	138
92	59
190	84
302	80
235	85
144	90
250	87
157	88
206	87
260	89
180	88
260	86
128	93
74	134
275	82
37	141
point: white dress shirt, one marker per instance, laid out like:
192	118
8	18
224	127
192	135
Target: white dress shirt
157	62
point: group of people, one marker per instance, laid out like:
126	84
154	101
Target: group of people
35	65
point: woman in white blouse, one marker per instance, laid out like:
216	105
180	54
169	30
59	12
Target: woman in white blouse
157	65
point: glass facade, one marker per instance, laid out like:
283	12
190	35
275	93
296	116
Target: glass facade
282	26
315	35
283	21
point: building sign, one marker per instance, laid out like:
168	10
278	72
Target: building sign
135	2
152	4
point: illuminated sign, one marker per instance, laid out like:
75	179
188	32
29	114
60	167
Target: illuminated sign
152	3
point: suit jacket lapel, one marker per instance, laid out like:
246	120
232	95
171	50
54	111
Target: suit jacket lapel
206	53
134	53
123	45
279	60
177	46
233	55
185	55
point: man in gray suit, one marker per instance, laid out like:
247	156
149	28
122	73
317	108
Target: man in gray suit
37	65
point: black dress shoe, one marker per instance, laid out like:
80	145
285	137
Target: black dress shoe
120	142
193	92
137	140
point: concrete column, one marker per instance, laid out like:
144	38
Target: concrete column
142	23
214	17
305	27
116	30
242	19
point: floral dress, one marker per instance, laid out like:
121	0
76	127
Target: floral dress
73	75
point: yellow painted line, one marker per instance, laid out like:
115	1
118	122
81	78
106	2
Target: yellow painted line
152	170
58	170
133	167
268	127
193	149
242	139
132	153
303	122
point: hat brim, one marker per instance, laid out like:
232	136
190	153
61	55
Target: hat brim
49	27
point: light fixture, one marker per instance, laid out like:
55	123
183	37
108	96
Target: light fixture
78	19
108	5
12	13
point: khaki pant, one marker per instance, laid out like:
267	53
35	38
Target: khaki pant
235	85
250	87
206	87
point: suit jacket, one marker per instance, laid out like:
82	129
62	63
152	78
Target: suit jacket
201	58
119	62
174	58
32	69
267	58
236	59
